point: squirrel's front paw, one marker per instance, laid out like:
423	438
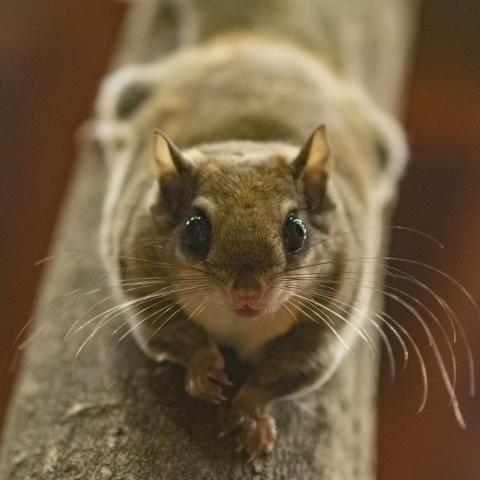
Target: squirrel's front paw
257	433
205	376
248	414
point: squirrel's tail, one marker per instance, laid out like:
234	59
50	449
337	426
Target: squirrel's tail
364	41
297	21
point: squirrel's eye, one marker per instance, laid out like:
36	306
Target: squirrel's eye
197	235
294	234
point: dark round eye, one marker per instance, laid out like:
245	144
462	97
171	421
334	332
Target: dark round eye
294	234
197	235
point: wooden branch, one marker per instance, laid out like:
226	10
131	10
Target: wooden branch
109	413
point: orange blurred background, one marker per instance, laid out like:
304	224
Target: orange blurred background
52	55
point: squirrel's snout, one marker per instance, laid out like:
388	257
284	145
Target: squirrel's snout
248	296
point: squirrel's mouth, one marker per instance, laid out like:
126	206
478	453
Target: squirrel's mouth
248	312
249	303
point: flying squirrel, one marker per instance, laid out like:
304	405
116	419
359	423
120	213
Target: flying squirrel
245	174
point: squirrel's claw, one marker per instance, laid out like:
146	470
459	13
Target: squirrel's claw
204	377
257	434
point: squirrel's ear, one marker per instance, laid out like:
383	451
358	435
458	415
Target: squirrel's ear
313	166
173	172
167	157
315	157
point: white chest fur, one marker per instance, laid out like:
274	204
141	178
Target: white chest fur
247	336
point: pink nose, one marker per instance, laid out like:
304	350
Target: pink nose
246	289
246	295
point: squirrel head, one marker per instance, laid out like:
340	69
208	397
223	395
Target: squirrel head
247	219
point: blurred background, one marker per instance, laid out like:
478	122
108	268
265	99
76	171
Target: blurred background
53	54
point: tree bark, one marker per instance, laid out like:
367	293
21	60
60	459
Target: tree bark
109	412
